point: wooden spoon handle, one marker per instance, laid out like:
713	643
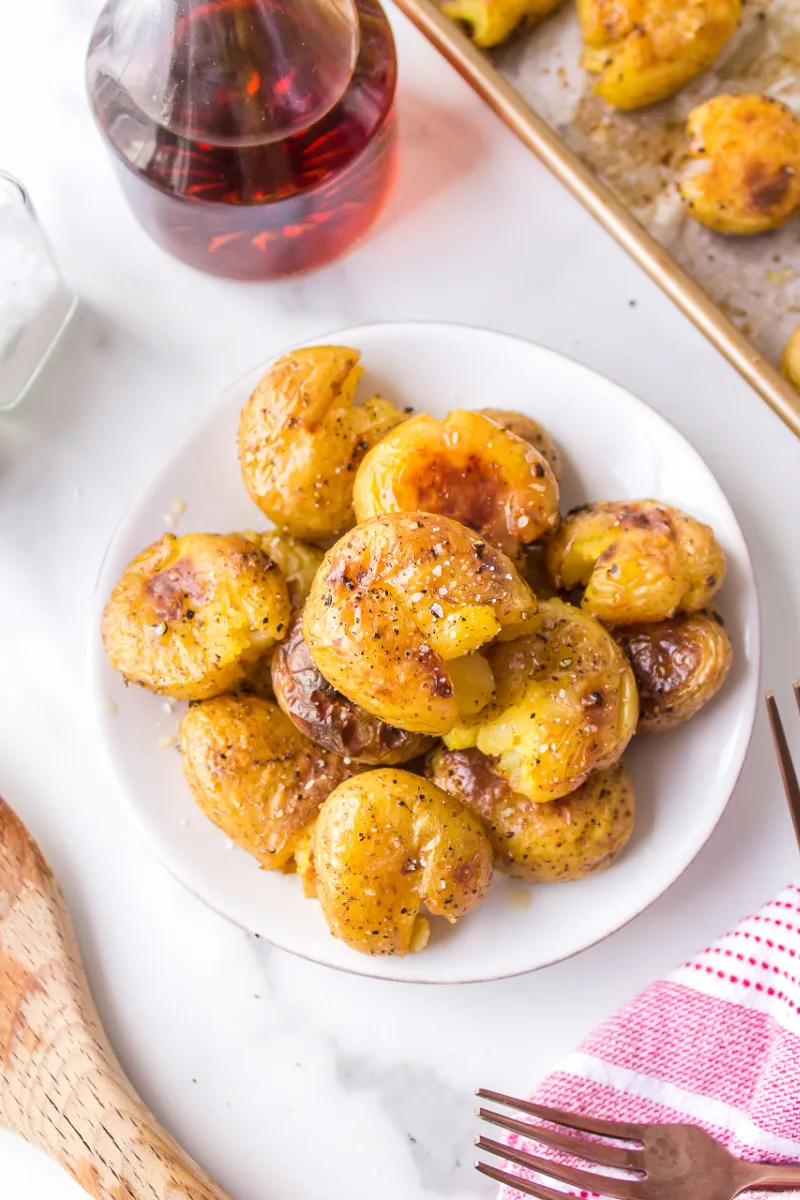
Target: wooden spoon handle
61	1087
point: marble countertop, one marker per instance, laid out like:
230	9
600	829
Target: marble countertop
248	1055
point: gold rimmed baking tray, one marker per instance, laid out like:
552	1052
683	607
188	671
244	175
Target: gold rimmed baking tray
743	294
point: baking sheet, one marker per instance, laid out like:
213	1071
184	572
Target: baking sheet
754	281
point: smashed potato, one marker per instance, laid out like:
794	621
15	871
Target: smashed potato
466	467
397	611
257	777
298	561
747	164
328	717
301	438
388	843
678	666
637	560
530	431
646	50
568	839
565	705
191	613
491	21
790	363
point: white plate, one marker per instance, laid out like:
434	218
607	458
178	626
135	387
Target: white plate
615	447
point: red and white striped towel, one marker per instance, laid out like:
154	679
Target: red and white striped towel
716	1044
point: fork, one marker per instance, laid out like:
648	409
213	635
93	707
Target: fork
663	1162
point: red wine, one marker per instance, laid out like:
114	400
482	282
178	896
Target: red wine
246	158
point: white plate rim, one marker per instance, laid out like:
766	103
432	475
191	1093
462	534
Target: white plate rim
348	335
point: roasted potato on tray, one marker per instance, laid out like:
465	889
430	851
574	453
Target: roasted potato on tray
679	665
530	431
565	705
328	717
646	50
191	613
491	21
466	467
256	776
746	176
399	607
387	844
790	363
637	560
567	839
301	438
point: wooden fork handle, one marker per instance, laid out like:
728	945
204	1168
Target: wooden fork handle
61	1087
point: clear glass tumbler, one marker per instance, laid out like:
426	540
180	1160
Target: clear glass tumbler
35	303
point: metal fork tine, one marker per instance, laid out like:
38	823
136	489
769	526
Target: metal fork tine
626	1157
620	1131
788	774
588	1181
519	1185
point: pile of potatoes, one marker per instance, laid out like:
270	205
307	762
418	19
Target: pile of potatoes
422	671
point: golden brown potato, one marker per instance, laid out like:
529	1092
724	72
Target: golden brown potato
388	843
328	717
191	613
565	705
491	21
746	177
298	561
568	839
255	776
530	431
790	363
646	50
467	468
301	438
531	565
397	611
678	666
637	560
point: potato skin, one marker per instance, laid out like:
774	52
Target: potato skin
396	599
466	467
679	665
388	842
190	613
329	718
569	839
491	21
638	560
790	363
565	705
646	50
255	775
530	431
301	439
750	147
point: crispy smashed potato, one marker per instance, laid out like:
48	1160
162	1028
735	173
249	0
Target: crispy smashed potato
298	561
328	717
678	666
565	705
466	467
568	839
257	777
530	431
388	843
746	177
397	611
646	50
637	560
191	613
790	363
491	21
301	438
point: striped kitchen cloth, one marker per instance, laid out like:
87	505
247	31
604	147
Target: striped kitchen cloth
716	1044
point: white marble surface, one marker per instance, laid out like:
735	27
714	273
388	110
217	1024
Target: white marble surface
250	1056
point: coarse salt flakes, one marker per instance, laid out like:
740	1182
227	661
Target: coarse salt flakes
178	506
166	741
